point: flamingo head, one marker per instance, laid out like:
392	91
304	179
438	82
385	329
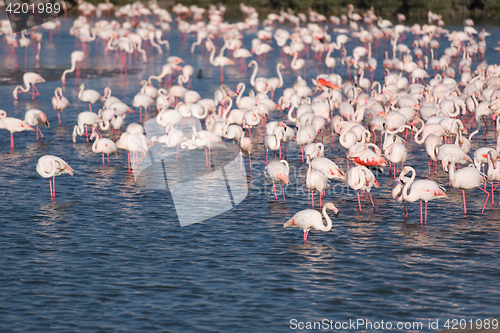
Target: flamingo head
3	114
283	178
331	206
25	126
69	170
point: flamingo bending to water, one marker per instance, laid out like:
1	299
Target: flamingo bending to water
29	79
308	219
50	166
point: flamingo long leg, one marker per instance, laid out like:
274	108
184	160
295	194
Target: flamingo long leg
11	140
465	208
421	212
487	197
50	184
312	199
371	199
359	202
275	195
426	213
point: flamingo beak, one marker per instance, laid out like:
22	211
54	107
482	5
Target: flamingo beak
69	169
28	127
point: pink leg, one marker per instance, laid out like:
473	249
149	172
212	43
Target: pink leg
404	208
426	213
421	221
359	202
305	236
50	184
283	187
102	159
276	196
128	158
371	199
465	208
54	186
487	197
59	116
11	140
312	198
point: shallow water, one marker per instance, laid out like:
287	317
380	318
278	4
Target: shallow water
110	255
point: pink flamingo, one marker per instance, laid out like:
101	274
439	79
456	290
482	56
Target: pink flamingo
423	190
50	166
308	219
13	125
464	179
59	102
277	171
29	79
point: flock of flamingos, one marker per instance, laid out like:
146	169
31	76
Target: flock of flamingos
443	112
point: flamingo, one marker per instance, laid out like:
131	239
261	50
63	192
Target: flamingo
361	178
142	101
466	178
423	190
36	117
76	57
29	79
220	61
277	171
85	118
131	143
13	125
328	167
59	102
297	64
315	181
50	166
246	148
88	96
308	219
103	146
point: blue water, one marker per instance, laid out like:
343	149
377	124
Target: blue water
109	255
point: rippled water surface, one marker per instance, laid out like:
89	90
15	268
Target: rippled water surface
110	255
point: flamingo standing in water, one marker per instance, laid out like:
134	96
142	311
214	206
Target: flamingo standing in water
308	219
142	101
103	146
220	61
59	102
463	179
88	95
29	79
50	166
85	118
13	125
76	57
422	189
277	171
315	181
36	117
361	178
